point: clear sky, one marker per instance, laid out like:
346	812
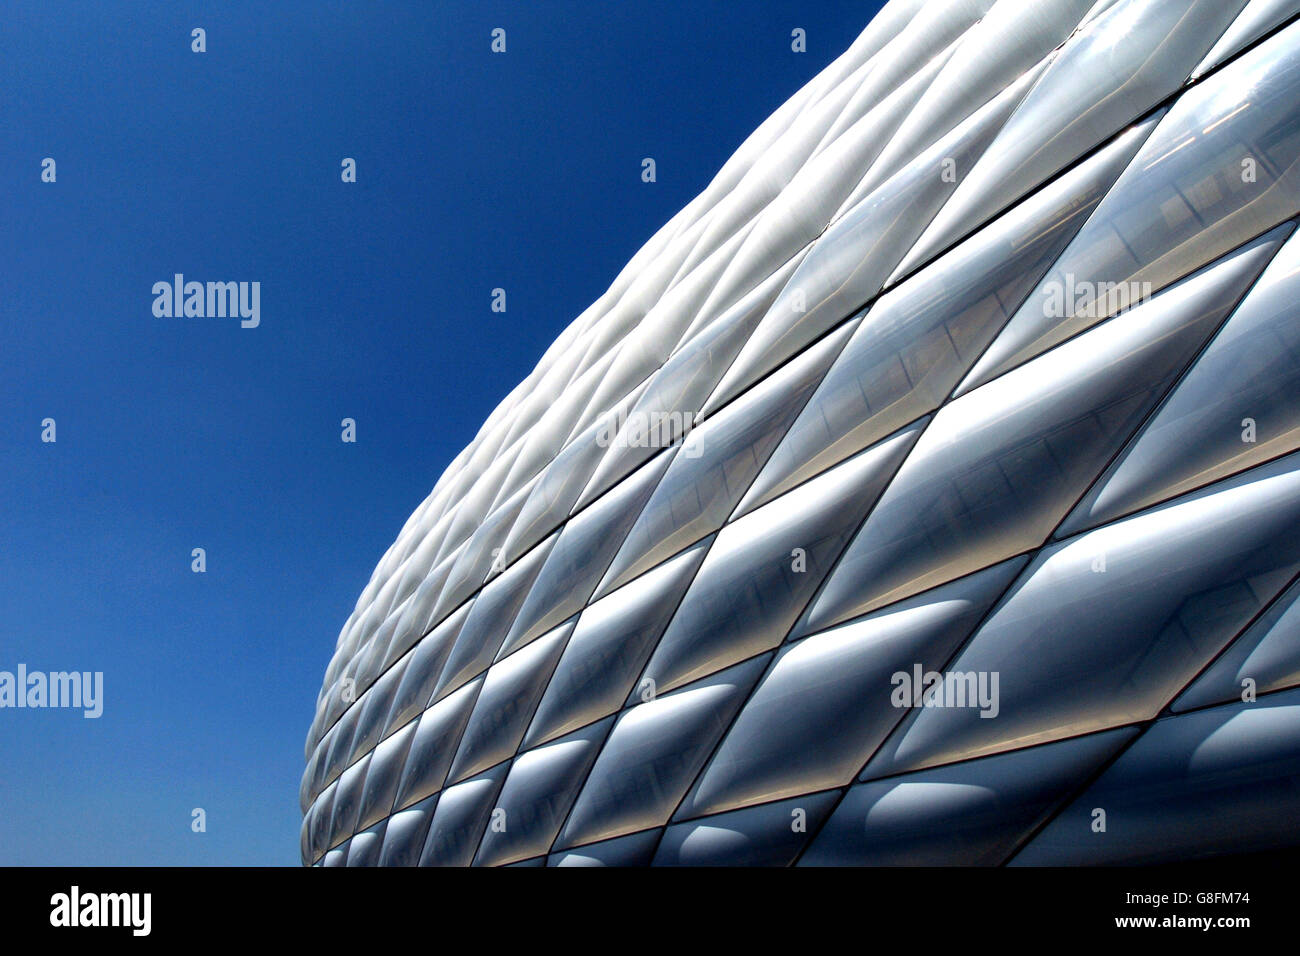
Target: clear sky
474	171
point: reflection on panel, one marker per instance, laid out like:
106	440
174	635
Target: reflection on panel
505	705
1000	467
854	257
763	568
1222	166
635	849
1264	659
434	744
1105	629
830	699
652	754
1092	89
767	835
537	795
609	647
1258	18
404	838
1224	780
1239	405
917	341
462	814
582	552
716	464
974	813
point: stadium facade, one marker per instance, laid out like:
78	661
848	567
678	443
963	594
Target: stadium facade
924	492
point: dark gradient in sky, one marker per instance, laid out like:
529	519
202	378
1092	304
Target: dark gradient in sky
475	171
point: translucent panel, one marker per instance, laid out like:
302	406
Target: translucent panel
304	838
548	438
1011	39
726	226
482	554
1098	9
937	29
635	849
689	376
1259	17
306	788
1266	658
417	615
472	508
306	793
581	554
340	744
768	835
626	373
904	23
318	767
675	394
434	745
369	661
364	848
537	795
763	568
830	700
1199	435
1218	781
599	405
427	607
800	212
558	487
1104	630
404	838
918	340
347	801
975	813
505	704
652	755
374	711
1223	166
413	607
656	336
1120	65
715	466
321	822
336	857
1000	467
488	619
446	566
421	545
461	816
850	262
383	776
776	238
426	662
885	107
609	647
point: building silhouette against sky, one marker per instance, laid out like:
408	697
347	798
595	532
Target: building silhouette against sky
924	492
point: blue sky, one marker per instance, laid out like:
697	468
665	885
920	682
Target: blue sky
475	171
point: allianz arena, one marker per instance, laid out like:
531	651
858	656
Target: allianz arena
924	492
